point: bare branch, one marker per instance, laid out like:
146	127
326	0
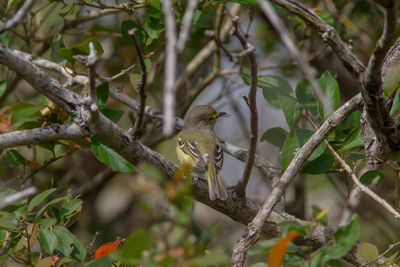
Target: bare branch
43	134
186	25
7	201
18	18
240	187
141	86
171	58
253	231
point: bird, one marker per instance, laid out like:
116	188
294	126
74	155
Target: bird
199	147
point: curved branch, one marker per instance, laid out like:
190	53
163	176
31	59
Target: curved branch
18	17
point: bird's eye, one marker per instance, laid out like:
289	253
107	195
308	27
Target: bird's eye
210	119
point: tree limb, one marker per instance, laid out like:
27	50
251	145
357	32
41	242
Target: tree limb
253	230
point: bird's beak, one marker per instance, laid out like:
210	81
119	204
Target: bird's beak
220	114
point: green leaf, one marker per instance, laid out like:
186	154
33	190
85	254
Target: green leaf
110	158
70	208
56	45
290	109
372	177
3	86
39	198
319	165
8	221
69	245
100	262
24	112
293	227
49	205
113	114
102	92
154	27
3	36
391	78
156	4
396	103
353	139
141	34
305	96
136	243
345	237
367	250
275	136
295	140
68	12
81	49
13	157
330	88
11	4
272	86
327	17
48	240
47	223
246	2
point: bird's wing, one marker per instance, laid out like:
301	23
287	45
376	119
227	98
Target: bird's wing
218	157
191	148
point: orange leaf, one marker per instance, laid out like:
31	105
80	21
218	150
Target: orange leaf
107	248
278	250
5	123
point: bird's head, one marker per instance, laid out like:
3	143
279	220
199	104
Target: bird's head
202	116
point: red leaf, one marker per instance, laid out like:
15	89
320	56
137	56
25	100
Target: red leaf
107	248
278	250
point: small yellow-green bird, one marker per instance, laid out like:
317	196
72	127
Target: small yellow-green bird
199	147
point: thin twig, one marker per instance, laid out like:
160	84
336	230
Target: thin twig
240	187
91	64
141	86
7	201
363	188
18	18
171	58
391	246
186	25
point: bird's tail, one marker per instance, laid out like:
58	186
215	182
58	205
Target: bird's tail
216	188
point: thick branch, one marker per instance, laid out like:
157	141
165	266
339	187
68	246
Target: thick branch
372	91
240	187
253	231
39	135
